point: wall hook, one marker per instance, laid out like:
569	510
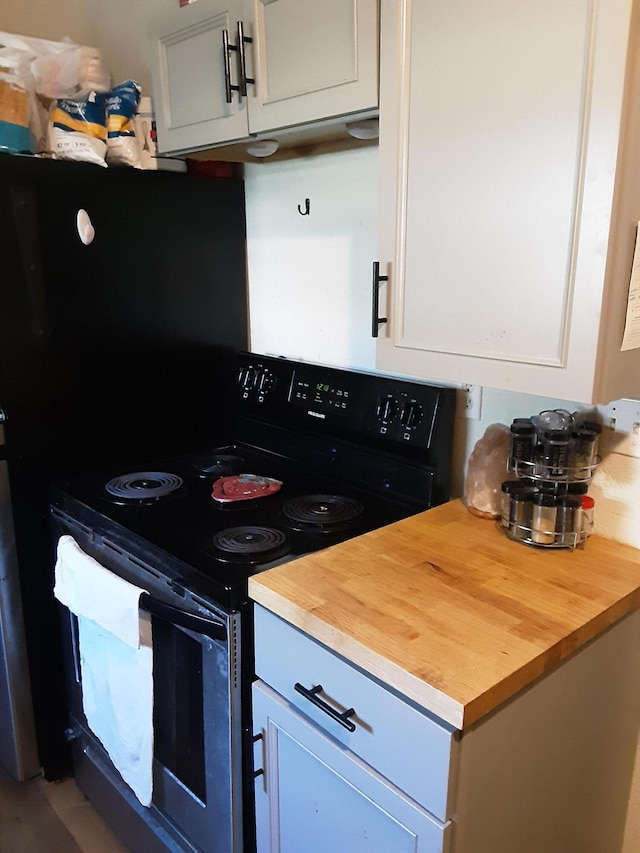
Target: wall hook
307	205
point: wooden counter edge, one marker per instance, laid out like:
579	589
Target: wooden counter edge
459	712
423	694
387	672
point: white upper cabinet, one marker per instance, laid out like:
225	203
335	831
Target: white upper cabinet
312	60
510	193
226	71
188	74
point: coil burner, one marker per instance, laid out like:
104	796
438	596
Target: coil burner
250	544
323	513
143	487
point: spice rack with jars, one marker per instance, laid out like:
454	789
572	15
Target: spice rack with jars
553	456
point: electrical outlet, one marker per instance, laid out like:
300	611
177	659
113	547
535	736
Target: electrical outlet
472	401
621	427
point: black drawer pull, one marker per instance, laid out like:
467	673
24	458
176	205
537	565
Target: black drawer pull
376	321
312	696
260	772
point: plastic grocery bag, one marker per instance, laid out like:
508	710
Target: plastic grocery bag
53	69
32	69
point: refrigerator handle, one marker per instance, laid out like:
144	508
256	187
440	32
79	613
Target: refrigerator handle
26	216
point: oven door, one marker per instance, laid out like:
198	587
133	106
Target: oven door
197	769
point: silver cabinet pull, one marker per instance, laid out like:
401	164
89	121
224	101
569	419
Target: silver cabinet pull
227	47
242	40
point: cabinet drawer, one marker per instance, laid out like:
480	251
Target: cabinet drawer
410	748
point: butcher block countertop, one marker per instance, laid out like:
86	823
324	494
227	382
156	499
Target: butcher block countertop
448	611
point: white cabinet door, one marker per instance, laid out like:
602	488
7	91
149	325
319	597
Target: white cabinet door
311	60
188	74
315	796
305	62
500	129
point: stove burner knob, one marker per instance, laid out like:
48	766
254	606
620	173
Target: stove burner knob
266	381
387	408
245	378
411	414
248	378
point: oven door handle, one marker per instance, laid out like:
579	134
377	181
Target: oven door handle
182	619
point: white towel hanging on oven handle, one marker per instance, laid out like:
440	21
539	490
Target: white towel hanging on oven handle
116	659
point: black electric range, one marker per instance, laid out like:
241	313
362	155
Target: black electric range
319	455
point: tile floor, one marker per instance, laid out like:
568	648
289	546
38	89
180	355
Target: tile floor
50	817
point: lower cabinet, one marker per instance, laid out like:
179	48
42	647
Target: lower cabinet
345	764
314	795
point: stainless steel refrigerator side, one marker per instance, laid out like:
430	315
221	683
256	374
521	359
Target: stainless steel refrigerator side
18	750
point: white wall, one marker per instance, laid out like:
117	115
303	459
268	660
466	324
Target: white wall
117	27
52	21
310	276
120	28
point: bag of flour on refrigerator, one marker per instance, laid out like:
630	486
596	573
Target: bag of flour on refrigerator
78	129
123	147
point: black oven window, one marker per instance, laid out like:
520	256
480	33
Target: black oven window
177	705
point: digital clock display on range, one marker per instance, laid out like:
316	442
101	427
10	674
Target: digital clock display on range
318	395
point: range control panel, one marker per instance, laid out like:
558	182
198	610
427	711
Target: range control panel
320	394
351	402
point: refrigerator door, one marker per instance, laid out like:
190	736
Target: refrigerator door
129	338
117	347
18	751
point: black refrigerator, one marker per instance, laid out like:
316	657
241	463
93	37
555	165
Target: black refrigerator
113	347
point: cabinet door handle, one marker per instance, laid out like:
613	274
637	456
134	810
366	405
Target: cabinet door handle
259	772
242	40
376	321
312	695
229	87
226	47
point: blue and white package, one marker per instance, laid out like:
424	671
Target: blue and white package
123	148
78	129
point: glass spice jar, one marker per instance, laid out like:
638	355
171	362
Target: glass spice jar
508	488
543	519
522	442
554	452
588	505
520	514
583	452
569	520
595	427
